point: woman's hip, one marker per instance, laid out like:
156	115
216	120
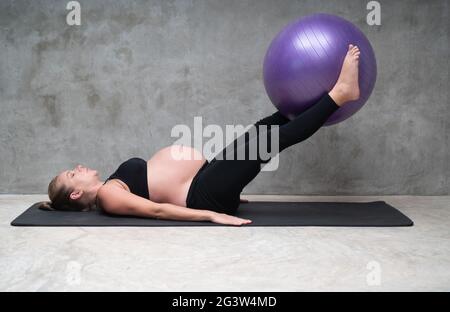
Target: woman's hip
206	194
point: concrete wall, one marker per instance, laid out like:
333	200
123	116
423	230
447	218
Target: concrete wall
115	86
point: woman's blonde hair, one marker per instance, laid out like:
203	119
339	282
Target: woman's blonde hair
59	195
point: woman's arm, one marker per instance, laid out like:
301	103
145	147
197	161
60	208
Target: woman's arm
173	212
116	200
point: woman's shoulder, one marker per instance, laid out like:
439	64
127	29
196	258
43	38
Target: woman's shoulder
111	185
113	198
111	191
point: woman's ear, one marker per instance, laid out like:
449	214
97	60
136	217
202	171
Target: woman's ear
76	194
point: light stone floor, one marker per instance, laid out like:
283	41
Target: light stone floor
231	258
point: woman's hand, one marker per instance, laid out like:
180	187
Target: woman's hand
223	218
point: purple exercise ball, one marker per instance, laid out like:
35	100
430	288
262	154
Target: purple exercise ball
304	60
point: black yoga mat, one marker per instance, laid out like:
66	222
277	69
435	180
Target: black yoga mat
376	213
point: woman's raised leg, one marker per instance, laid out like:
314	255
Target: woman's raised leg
225	178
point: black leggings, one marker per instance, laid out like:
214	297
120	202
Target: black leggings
218	184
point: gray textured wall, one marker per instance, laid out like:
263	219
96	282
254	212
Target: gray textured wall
115	86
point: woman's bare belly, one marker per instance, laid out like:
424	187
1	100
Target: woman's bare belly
170	172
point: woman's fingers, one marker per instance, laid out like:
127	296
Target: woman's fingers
246	221
228	219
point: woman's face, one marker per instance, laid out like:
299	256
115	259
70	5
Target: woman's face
79	178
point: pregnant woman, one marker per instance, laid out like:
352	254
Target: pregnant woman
193	188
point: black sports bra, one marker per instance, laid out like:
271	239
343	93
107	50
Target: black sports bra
133	173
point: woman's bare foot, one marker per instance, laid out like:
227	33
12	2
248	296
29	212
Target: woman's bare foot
347	86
